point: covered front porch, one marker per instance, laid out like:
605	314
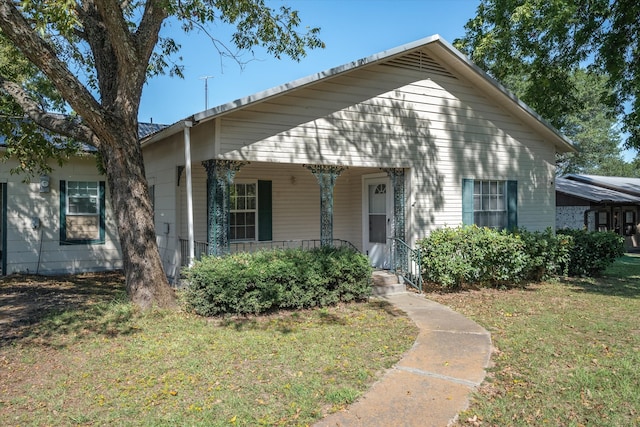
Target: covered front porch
246	206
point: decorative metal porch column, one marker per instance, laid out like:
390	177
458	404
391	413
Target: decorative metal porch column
326	176
220	174
401	259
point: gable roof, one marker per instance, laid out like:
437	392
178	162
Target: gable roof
593	192
432	53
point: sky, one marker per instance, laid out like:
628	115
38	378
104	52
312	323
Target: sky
351	30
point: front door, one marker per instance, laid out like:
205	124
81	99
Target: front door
377	225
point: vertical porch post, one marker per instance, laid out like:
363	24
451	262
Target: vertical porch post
326	176
396	175
187	162
220	174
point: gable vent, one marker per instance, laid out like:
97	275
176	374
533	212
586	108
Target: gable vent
419	61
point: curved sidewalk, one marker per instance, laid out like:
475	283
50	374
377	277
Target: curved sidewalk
431	384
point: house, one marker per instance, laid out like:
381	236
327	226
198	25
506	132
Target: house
61	222
375	154
600	203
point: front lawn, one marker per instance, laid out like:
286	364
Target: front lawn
83	356
567	352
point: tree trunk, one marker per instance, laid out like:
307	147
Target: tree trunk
146	281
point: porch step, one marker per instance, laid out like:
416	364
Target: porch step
386	283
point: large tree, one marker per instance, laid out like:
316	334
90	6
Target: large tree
98	55
545	41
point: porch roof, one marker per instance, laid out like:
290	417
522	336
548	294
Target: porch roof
443	52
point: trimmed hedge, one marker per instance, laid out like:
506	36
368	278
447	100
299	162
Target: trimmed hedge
593	251
476	255
265	281
452	257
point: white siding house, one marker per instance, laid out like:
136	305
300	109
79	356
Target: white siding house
371	153
388	147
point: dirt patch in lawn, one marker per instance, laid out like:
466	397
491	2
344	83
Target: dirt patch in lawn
26	300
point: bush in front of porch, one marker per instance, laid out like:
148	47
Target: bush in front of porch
253	283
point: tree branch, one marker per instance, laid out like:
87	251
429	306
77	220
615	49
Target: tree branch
39	52
55	123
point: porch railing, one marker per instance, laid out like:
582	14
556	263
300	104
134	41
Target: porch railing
202	247
200	250
407	263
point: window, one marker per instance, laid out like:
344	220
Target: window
602	221
489	207
244	208
82	198
629	225
82	212
250	211
490	203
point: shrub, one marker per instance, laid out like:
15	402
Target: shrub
592	251
472	255
269	280
548	254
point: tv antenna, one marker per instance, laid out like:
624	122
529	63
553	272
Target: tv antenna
206	91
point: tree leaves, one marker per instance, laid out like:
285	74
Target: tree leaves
543	42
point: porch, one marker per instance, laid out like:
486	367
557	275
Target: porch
239	205
244	207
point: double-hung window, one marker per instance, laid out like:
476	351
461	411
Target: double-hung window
490	203
82	212
244	210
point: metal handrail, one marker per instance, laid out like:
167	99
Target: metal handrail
201	248
407	263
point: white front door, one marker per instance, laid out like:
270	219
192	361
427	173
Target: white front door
377	220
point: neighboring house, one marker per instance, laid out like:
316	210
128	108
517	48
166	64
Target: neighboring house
600	203
374	152
61	222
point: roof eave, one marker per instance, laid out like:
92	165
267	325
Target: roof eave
166	132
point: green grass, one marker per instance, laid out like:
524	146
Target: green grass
567	352
105	364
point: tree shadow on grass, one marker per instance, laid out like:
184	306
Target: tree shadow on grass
288	321
610	286
284	321
621	279
48	310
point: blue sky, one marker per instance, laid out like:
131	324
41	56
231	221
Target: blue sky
351	29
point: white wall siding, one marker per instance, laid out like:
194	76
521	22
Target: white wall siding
39	250
199	194
161	167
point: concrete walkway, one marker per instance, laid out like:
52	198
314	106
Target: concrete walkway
432	382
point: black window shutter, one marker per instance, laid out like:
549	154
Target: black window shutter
512	205
265	204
